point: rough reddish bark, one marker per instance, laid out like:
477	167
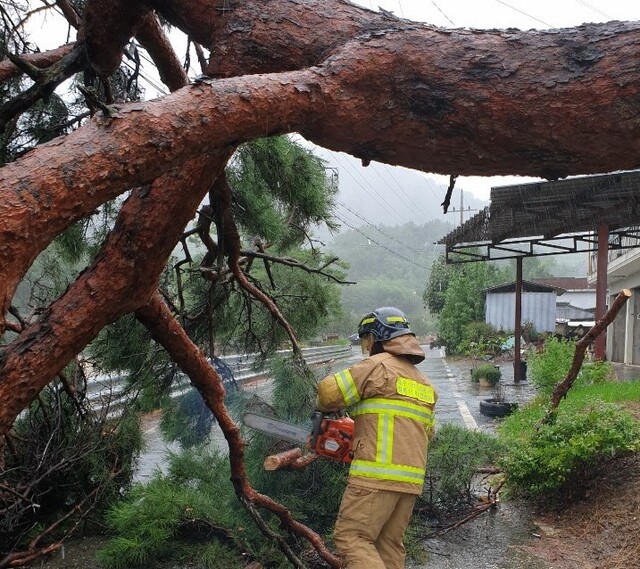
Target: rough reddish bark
392	97
122	277
154	40
451	101
66	179
107	27
41	60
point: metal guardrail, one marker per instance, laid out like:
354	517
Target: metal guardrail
108	389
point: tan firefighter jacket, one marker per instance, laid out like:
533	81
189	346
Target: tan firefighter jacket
391	403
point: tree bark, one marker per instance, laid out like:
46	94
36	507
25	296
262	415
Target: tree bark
64	180
122	278
464	102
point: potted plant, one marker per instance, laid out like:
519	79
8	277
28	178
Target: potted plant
486	375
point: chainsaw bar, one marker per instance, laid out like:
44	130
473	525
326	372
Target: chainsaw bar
278	429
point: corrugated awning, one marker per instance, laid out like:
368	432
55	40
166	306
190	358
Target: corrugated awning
550	218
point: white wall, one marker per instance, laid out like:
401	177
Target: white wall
537	307
580	298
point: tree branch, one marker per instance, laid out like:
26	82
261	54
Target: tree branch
231	244
120	279
289	262
165	329
154	40
600	326
46	82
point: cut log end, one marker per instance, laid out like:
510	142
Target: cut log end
291	459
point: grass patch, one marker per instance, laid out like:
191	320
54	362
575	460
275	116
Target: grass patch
608	391
591	427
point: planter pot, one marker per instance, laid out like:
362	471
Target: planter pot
484	382
495	408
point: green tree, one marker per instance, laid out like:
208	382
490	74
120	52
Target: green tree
437	285
464	299
390	271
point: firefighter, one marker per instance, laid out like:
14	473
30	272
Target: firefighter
391	403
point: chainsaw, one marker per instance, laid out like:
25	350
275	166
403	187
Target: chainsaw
331	437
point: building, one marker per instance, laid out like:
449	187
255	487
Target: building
538	306
623	272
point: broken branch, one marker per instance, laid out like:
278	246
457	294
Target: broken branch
600	326
292	459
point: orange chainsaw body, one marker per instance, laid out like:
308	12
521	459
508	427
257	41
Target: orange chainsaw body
333	438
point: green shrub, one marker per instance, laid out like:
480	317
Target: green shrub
191	513
455	454
596	372
489	372
553	461
549	367
480	339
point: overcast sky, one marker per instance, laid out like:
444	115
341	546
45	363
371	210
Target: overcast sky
523	14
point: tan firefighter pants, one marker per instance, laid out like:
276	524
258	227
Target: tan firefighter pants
371	526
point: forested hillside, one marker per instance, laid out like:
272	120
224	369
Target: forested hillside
391	267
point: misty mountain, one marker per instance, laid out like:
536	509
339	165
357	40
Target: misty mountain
390	266
391	195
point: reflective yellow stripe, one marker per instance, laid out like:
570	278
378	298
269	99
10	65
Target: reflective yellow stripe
415	390
396	472
347	387
395	408
396	319
384	446
367	321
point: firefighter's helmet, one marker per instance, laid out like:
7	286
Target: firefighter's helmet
384	323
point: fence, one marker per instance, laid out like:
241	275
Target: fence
109	389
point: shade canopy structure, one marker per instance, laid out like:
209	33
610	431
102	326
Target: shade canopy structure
573	215
550	218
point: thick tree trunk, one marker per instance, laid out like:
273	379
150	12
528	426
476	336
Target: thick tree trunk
543	104
122	278
451	101
65	180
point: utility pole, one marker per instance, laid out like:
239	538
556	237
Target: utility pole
462	210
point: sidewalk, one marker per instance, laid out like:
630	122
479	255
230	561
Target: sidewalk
626	372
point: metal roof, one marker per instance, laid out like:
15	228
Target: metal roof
548	218
527	286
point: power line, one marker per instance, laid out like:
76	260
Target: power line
412	203
440	10
393	210
524	13
596	10
404	245
399	255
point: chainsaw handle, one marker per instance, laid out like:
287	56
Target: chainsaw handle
316	428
